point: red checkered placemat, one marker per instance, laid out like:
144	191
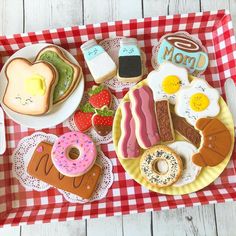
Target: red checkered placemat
22	206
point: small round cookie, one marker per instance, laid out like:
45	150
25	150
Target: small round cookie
190	171
161	166
65	146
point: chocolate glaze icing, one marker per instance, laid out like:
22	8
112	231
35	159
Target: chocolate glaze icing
102	130
164	121
183	43
186	130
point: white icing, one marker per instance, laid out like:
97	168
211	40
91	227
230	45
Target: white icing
183	109
101	66
190	171
156	77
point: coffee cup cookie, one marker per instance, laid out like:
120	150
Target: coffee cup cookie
182	49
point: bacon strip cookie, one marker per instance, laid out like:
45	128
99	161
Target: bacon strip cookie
127	146
143	111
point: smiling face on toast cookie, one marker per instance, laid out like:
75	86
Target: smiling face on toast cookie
30	86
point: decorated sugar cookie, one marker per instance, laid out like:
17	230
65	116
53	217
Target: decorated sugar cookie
30	86
161	166
216	142
69	74
67	165
41	167
143	111
197	101
128	146
164	121
102	121
167	81
100	96
83	117
130	62
183	49
190	171
100	64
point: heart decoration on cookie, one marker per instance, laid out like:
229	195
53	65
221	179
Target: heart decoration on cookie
40	149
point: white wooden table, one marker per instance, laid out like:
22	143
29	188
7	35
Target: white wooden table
30	15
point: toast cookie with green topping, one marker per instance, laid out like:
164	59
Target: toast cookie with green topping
69	74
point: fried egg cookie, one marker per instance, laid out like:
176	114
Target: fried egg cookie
216	142
41	167
199	100
30	86
161	166
167	81
69	74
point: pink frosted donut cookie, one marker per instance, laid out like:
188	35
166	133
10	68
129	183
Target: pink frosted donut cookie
61	153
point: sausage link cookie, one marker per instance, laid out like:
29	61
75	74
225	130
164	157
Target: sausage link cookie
161	166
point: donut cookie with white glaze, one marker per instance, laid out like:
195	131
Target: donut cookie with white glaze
152	162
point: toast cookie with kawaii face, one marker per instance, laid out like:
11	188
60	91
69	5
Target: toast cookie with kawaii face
30	86
69	74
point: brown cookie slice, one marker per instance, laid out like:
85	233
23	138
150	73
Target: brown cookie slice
186	130
164	121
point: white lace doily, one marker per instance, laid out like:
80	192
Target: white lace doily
91	132
112	46
22	155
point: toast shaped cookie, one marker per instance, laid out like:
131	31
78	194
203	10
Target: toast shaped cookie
30	86
41	167
69	74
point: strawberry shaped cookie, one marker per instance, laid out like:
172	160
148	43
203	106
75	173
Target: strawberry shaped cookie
100	96
83	117
102	121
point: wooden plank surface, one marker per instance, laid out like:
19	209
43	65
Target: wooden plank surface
105	227
29	15
185	221
11	20
70	228
225	218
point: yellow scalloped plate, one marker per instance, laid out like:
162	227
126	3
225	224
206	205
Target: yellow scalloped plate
207	174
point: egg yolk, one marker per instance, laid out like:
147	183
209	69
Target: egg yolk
199	102
171	84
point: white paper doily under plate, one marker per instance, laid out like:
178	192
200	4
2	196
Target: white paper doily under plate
22	155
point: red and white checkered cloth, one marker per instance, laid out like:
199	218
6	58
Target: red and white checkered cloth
21	206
